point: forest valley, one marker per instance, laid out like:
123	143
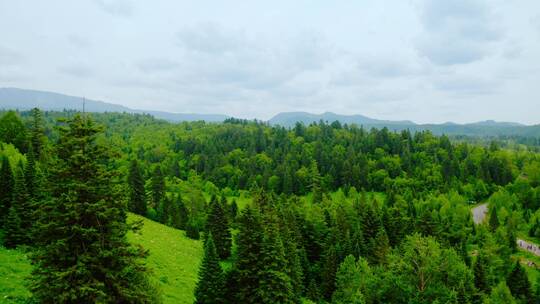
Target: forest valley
325	213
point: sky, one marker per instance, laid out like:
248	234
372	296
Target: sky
429	61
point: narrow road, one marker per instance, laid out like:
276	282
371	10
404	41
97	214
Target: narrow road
479	213
530	247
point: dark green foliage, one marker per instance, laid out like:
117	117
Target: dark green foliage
14	232
480	274
192	231
30	175
37	137
137	193
178	214
7	183
493	219
379	247
249	252
82	255
328	274
274	284
210	288
233	210
22	205
217	224
158	186
519	284
12	131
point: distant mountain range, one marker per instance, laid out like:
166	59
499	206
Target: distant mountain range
21	99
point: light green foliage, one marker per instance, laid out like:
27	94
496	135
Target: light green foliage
500	295
14	268
173	258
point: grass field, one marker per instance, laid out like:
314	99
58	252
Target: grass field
174	259
14	267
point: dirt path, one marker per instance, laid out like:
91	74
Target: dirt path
530	247
479	213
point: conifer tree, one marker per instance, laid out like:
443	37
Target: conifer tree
480	274
210	288
274	283
315	183
370	221
7	183
137	194
379	248
37	137
82	255
329	269
493	219
192	230
249	241
14	233
30	174
519	284
158	186
179	213
217	223
21	204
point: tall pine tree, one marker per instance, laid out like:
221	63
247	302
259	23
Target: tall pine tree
210	288
217	224
158	187
22	205
274	283
248	261
519	284
7	183
137	194
82	254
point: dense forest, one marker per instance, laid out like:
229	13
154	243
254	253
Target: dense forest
321	213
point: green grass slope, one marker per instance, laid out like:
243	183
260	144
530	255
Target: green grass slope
174	259
14	267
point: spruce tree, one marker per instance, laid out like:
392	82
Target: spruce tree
30	174
14	233
22	205
493	219
179	213
519	284
480	274
274	283
210	288
158	186
82	255
37	137
329	269
379	248
7	183
137	194
217	223
248	261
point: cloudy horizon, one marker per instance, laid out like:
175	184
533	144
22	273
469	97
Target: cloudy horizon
422	60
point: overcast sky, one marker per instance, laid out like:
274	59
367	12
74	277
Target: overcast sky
423	60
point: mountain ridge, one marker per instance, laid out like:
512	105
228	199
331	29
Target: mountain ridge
23	99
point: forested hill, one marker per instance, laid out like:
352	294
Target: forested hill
21	99
324	213
483	128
